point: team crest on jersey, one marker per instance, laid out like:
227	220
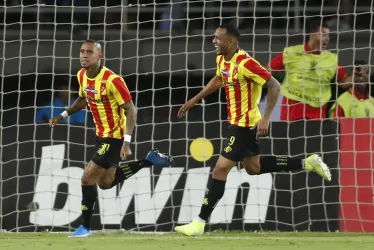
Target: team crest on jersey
235	71
91	90
103	89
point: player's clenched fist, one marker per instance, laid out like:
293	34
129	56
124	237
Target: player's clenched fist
187	106
53	121
262	127
125	151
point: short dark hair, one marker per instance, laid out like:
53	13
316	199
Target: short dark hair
95	43
314	24
231	29
91	41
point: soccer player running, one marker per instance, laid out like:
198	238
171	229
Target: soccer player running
114	115
243	79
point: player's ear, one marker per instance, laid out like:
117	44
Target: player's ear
232	40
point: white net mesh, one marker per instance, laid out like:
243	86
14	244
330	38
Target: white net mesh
163	49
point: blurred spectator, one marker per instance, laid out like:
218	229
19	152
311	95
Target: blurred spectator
346	10
60	102
309	69
170	15
355	102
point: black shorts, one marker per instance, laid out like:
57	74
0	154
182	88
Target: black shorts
107	152
240	142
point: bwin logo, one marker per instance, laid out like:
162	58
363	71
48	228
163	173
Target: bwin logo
113	206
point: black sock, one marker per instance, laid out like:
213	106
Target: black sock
89	195
271	164
126	170
216	191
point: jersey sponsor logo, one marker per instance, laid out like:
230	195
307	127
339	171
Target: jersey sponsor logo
91	90
225	73
101	100
114	203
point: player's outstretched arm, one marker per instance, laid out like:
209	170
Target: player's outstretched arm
213	85
79	104
130	112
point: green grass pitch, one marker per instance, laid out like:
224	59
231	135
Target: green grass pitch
229	240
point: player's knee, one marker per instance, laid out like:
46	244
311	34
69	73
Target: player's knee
90	175
87	180
221	171
104	185
253	169
105	182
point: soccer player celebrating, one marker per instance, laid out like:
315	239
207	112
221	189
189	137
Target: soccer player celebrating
309	68
243	79
109	100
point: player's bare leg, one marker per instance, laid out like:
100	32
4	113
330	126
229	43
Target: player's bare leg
107	178
269	164
216	191
251	164
91	175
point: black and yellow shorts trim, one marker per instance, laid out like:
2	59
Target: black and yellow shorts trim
107	152
240	142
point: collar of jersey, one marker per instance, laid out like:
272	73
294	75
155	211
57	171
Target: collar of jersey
358	94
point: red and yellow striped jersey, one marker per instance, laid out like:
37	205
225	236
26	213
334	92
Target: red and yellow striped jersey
242	79
105	94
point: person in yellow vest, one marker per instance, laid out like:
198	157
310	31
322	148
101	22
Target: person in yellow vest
355	102
308	70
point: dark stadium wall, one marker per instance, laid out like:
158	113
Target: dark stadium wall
41	181
162	54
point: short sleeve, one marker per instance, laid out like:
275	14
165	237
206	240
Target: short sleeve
276	64
254	71
341	73
80	90
80	76
218	63
120	91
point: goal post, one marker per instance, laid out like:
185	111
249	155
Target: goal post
164	51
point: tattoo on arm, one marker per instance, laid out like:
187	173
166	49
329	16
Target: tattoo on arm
272	97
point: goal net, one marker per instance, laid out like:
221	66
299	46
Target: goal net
164	51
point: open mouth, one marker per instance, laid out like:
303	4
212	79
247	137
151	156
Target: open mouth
217	48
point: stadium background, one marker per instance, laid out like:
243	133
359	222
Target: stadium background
157	66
